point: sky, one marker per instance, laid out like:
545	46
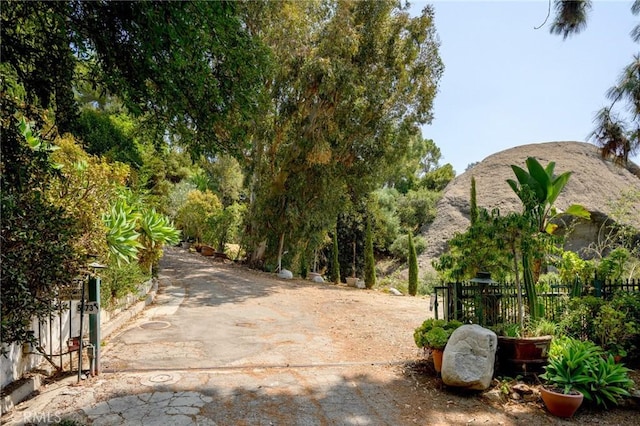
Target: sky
507	84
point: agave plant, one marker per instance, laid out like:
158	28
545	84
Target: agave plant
155	231
122	238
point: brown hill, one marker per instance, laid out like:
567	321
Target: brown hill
594	183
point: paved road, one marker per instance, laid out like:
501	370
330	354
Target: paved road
226	346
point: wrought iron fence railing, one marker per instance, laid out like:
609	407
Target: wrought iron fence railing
490	304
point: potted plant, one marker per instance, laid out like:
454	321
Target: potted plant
436	339
353	279
433	336
567	371
524	350
580	370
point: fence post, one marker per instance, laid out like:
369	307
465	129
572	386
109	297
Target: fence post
94	319
597	285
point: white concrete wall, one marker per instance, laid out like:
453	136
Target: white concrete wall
17	362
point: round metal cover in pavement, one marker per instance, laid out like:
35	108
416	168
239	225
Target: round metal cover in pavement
160	379
155	325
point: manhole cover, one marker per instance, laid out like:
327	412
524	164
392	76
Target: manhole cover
155	325
160	379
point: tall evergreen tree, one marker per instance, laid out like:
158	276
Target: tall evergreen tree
354	80
473	213
413	267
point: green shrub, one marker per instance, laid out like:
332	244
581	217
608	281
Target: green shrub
118	280
579	316
413	267
400	247
614	324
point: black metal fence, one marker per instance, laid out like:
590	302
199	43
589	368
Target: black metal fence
495	303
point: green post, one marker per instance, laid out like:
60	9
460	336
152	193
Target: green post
597	285
94	322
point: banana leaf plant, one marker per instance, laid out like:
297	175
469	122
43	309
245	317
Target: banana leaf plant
538	188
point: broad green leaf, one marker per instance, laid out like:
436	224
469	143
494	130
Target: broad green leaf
578	211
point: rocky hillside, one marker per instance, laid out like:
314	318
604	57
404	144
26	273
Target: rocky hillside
594	183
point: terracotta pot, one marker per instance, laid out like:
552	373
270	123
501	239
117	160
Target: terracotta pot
560	404
437	359
207	251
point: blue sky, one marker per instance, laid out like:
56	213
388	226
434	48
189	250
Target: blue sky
507	84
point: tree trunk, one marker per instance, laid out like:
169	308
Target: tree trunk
280	247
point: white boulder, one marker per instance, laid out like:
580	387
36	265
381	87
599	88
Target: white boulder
285	274
395	292
469	357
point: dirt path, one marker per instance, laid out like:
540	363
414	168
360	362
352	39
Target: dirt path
223	345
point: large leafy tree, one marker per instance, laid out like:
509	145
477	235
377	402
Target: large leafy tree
354	79
538	188
192	67
616	133
37	258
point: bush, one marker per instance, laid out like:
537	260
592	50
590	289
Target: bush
400	247
610	324
413	267
118	280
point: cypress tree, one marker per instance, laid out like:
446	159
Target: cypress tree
369	259
473	202
335	267
413	267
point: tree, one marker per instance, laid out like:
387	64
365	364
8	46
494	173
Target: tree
353	81
538	188
413	267
369	259
618	137
473	203
192	68
38	258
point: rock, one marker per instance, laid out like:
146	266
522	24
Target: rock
469	357
596	184
360	284
522	388
493	395
285	274
395	292
318	279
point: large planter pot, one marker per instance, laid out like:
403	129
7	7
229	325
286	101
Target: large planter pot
207	251
313	275
352	281
560	404
523	355
437	359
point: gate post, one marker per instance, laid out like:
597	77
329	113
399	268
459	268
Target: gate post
94	318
